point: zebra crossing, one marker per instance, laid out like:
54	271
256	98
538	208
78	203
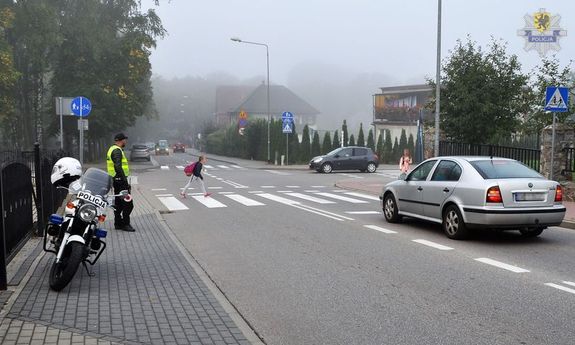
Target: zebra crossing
262	197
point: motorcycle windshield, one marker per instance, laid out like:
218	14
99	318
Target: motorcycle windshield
96	182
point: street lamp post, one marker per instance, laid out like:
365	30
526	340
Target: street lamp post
437	79
235	39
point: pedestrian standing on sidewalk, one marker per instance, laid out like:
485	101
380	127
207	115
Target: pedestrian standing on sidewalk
197	176
404	163
117	165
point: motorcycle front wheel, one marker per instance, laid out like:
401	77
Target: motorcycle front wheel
62	272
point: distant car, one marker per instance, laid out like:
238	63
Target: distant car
139	151
346	158
475	192
151	146
179	147
162	148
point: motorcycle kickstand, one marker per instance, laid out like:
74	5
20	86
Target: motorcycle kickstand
90	274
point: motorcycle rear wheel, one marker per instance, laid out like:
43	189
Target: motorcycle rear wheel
62	272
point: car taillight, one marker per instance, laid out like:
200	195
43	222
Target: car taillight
375	157
558	194
494	195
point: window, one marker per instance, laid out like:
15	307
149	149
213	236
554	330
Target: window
360	152
345	152
446	171
420	173
493	168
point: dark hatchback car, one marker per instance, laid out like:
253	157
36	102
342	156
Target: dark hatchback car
346	158
179	147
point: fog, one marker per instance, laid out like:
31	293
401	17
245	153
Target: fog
334	54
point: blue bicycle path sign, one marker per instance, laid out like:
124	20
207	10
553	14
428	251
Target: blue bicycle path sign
81	106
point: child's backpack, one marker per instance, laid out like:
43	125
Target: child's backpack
189	169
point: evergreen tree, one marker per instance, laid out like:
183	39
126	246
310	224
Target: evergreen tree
411	145
387	147
326	144
402	141
315	148
370	142
379	147
305	145
396	151
336	142
360	136
344	131
351	141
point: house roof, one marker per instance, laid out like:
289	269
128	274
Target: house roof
405	89
281	99
228	97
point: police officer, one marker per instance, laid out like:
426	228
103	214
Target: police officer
117	165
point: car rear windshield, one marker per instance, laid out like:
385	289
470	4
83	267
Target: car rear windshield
140	147
500	169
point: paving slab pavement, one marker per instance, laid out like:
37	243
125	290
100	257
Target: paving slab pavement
146	290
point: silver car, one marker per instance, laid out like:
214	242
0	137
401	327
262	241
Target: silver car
139	151
462	193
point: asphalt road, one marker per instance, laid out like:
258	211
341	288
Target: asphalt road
306	263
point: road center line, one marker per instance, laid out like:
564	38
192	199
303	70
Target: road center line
503	265
433	244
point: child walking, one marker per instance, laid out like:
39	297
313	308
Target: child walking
404	162
197	176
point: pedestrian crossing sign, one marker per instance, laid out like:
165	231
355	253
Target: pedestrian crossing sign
556	99
287	127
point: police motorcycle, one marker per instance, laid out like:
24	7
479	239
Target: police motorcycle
76	237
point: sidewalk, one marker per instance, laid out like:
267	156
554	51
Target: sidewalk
147	289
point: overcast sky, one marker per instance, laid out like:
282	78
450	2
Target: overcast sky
395	38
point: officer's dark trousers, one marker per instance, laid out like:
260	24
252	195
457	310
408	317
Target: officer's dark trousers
123	208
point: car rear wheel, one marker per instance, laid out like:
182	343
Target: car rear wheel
326	168
453	224
531	232
371	168
390	210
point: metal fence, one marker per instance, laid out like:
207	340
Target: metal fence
529	157
27	198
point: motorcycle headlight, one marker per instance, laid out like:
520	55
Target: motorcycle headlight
318	159
87	212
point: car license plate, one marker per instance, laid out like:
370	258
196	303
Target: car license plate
529	196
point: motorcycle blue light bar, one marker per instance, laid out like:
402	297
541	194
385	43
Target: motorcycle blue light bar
56	219
101	233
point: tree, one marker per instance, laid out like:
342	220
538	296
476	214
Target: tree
403	140
326	144
481	93
360	136
411	145
549	73
8	78
396	151
351	141
370	142
315	147
344	131
336	142
387	147
379	147
305	146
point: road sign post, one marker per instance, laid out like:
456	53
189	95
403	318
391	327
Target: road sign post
556	101
81	107
287	123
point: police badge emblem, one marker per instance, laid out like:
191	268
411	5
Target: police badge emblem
542	32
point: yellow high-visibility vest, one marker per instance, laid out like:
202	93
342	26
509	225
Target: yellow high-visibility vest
110	163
